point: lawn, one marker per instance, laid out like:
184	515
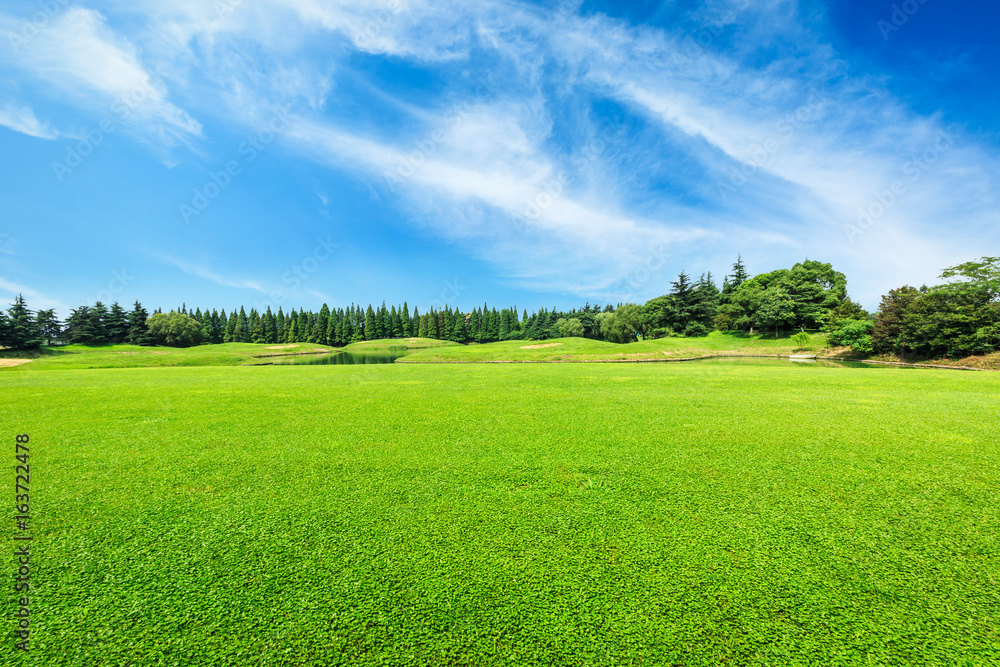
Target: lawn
71	357
509	514
584	349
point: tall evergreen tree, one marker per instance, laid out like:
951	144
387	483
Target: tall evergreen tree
137	327
49	327
22	327
116	324
80	328
257	331
369	323
99	323
4	330
322	326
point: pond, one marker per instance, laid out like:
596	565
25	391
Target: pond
784	361
341	358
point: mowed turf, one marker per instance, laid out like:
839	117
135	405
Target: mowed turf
509	514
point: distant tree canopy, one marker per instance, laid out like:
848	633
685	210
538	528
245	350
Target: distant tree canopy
957	319
961	317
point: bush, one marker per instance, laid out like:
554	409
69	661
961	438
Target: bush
801	339
855	333
724	322
174	330
696	330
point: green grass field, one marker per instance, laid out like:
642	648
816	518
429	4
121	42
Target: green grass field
584	349
544	514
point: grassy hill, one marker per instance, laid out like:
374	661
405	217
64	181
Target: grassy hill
72	357
584	349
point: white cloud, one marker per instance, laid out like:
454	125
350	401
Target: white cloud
207	273
509	177
84	60
22	119
36	300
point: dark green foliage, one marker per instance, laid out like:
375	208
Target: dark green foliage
20	329
957	319
137	329
174	329
83	327
857	334
49	326
116	325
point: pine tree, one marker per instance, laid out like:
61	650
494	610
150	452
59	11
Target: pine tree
369	323
137	328
230	335
322	328
459	333
4	330
116	325
22	328
48	325
99	323
257	331
405	321
739	274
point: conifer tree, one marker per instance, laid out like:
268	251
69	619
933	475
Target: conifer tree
369	323
116	325
49	327
22	329
322	325
459	333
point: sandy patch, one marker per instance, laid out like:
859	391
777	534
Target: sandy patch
536	347
9	363
412	340
280	347
125	353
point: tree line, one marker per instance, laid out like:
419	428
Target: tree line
955	319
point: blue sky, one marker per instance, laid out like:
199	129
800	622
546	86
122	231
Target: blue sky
538	154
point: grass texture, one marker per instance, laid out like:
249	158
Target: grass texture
666	514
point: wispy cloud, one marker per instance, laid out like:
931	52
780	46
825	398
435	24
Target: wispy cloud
505	150
82	59
207	273
22	119
36	300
